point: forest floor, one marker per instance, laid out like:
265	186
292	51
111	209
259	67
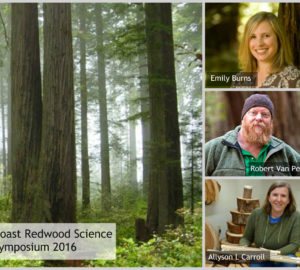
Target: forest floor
180	247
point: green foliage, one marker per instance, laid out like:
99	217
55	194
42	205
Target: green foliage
21	263
191	130
127	206
187	38
188	26
5	209
180	247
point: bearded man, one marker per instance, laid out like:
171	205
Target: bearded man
250	149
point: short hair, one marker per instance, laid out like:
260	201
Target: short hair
284	55
290	208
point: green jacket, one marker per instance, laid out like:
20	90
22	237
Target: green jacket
283	235
223	157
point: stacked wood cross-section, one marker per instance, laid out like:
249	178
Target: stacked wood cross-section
245	205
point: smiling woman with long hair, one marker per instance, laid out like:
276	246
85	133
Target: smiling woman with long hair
275	226
265	49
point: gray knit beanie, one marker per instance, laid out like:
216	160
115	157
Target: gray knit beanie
258	100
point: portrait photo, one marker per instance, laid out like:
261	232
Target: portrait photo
252	217
252	45
252	133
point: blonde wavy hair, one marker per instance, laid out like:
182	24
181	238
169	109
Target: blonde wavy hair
284	55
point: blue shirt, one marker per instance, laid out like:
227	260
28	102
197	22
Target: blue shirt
274	220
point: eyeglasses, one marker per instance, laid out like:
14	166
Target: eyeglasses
263	114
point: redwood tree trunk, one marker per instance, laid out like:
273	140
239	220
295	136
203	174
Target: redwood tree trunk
289	14
8	56
26	108
175	186
165	185
85	169
57	161
105	167
4	161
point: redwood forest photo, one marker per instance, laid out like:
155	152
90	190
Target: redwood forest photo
101	122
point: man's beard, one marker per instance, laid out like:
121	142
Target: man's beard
262	137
